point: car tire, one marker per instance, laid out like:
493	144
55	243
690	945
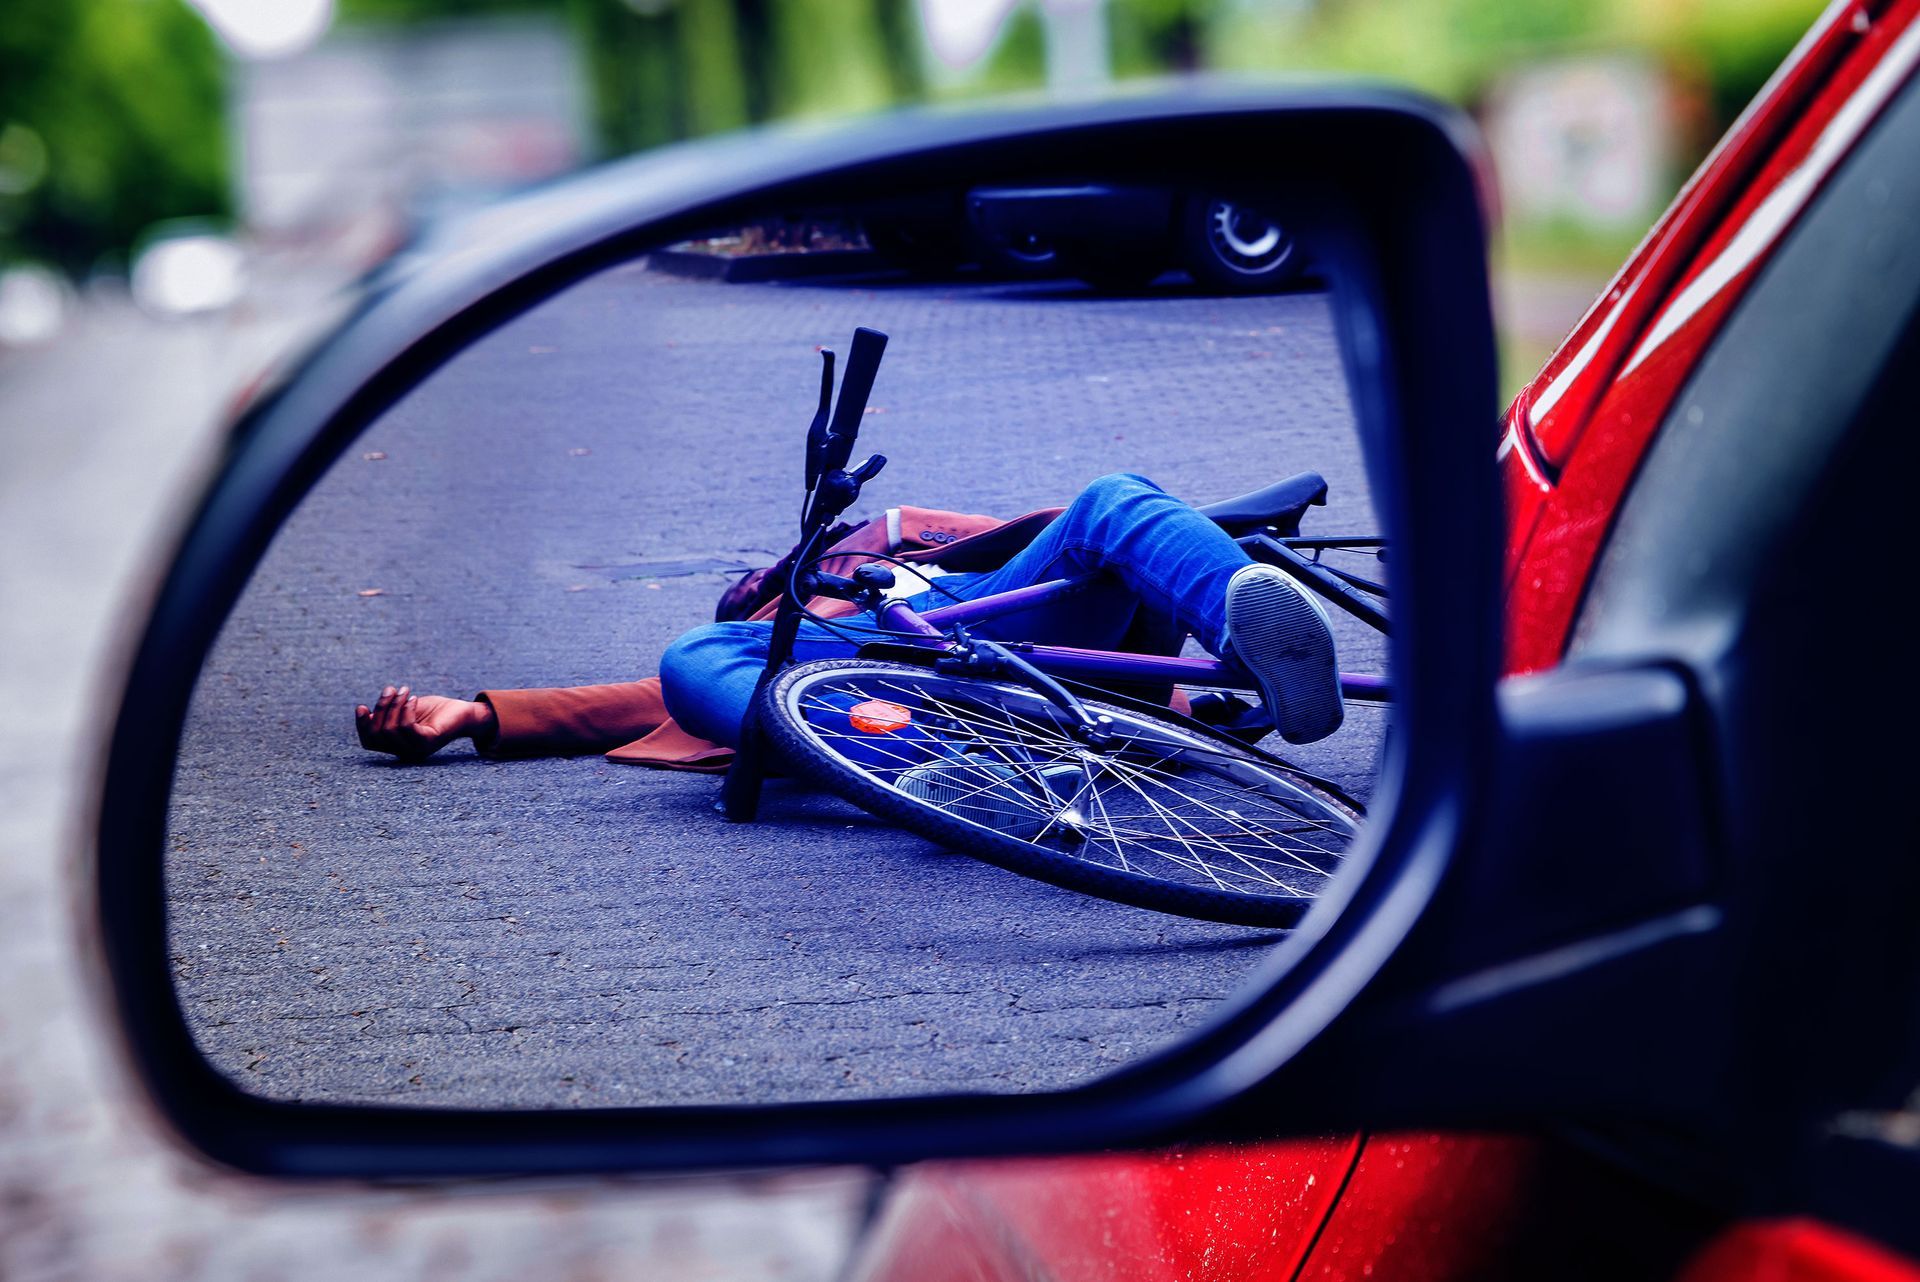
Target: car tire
1231	246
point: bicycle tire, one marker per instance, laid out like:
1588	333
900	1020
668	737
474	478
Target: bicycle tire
976	787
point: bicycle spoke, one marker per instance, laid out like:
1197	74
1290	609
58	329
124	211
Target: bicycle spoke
1241	796
1100	803
1166	816
1220	814
1291	811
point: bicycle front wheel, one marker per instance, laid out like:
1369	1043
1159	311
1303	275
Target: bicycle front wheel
1167	814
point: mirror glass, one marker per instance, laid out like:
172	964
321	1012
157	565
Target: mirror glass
559	917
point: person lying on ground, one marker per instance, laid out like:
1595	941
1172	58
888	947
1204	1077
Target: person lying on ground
1168	570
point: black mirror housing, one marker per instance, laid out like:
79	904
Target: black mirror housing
1389	181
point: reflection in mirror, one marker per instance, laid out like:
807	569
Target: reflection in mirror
472	892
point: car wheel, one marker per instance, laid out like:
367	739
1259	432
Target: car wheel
1236	247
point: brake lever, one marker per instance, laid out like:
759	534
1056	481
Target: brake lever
840	488
817	431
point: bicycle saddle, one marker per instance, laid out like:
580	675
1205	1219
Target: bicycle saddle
1281	504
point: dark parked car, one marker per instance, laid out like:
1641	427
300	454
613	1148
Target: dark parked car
1117	237
1121	238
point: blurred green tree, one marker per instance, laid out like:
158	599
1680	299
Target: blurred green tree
662	70
1017	61
1729	46
111	119
404	11
1151	37
668	69
1458	48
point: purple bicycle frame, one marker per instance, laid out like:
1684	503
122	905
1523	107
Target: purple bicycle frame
1087	665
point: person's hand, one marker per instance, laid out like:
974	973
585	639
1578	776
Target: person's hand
414	727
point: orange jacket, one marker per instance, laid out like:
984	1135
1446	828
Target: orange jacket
628	721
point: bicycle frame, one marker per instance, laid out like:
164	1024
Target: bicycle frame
932	629
832	487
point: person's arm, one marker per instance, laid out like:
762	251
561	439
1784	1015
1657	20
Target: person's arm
567	720
559	721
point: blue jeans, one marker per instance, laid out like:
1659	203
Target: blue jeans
1157	551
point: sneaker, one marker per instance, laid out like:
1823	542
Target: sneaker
1282	636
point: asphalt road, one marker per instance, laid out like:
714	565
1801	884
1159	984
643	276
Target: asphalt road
573	932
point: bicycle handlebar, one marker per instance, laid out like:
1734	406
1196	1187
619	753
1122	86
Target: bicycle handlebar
863	363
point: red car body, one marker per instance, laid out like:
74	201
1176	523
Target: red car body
1435	1207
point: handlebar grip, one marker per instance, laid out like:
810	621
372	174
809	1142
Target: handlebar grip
863	362
821	583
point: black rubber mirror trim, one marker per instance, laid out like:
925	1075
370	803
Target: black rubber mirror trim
1419	338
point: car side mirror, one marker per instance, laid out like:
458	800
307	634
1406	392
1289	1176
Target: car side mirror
1378	185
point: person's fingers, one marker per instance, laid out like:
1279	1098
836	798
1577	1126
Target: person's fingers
410	716
387	716
375	735
381	708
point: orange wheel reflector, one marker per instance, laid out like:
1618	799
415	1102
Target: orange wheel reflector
877	716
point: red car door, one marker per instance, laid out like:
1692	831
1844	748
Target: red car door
1434	1207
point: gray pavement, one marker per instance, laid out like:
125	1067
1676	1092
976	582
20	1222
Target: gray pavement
573	932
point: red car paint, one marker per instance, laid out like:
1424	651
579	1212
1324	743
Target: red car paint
1795	1251
1434	1207
1425	1208
1239	1214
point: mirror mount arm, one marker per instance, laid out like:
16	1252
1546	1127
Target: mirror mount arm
1597	882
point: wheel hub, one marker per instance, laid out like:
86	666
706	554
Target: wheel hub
1244	237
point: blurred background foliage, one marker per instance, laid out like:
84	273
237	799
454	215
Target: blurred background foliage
1458	48
112	119
114	114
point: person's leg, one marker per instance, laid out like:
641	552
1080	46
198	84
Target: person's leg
1164	555
708	675
1178	563
1161	552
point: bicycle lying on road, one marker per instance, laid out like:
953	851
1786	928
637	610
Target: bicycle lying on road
1068	765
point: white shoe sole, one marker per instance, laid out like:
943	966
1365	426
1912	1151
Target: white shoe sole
1284	639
